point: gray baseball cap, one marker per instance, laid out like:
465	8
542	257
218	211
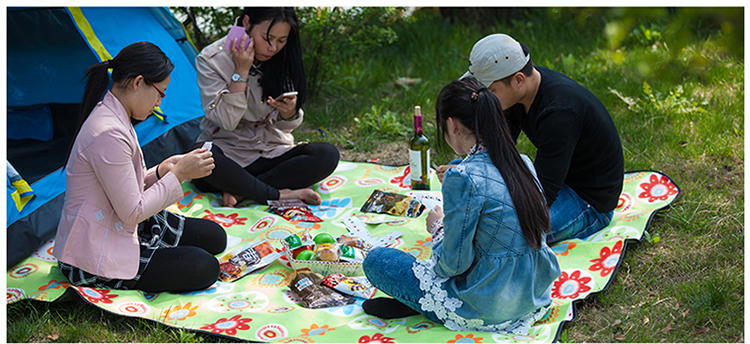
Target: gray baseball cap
495	57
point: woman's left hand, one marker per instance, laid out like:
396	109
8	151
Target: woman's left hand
287	106
433	216
166	165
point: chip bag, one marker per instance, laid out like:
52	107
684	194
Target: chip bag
293	210
246	259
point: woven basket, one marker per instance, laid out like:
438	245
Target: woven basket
323	267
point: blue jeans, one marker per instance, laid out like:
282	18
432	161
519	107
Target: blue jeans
389	270
573	218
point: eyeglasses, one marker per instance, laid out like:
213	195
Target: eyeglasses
160	92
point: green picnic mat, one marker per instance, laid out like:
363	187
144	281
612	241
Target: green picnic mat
259	307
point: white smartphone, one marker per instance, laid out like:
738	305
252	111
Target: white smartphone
207	145
286	95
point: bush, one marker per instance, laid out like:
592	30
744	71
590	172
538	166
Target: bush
334	36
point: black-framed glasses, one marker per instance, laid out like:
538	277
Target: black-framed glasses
161	94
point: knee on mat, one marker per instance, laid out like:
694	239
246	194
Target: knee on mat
327	153
373	264
206	271
219	236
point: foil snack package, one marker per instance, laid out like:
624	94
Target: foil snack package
392	203
246	259
354	286
293	210
307	290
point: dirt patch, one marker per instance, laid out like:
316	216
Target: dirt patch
392	153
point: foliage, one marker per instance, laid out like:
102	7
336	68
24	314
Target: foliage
673	81
333	36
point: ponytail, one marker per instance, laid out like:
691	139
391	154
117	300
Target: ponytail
140	58
479	110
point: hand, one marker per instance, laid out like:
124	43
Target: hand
243	58
165	166
441	171
433	216
196	164
287	106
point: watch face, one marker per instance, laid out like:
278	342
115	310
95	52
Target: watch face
235	77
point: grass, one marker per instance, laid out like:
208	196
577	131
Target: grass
680	113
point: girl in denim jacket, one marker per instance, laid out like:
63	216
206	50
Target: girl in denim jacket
490	268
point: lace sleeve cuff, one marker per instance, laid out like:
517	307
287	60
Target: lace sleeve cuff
437	231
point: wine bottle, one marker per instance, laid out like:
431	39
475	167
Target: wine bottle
419	155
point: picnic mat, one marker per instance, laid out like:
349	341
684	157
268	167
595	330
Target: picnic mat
259	307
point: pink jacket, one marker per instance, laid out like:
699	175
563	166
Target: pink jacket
108	192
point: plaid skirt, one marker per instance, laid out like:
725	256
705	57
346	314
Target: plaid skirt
153	234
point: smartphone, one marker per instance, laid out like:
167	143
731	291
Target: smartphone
236	32
207	145
286	95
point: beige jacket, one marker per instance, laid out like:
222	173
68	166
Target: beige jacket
243	125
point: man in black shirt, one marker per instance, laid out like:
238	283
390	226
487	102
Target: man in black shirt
579	158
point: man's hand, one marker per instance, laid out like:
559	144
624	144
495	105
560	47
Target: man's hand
441	171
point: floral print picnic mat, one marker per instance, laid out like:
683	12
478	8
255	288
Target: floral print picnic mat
259	306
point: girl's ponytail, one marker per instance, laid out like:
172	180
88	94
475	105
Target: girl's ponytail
97	83
479	110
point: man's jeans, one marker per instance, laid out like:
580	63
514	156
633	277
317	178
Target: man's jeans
573	218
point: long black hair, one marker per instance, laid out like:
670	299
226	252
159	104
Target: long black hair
286	66
140	58
474	106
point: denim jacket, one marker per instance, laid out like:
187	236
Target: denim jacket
482	275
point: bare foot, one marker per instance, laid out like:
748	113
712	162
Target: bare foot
230	200
307	195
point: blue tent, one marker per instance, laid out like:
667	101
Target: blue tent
48	51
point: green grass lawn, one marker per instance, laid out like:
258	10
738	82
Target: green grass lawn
679	109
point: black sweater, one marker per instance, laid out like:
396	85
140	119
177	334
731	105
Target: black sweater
577	142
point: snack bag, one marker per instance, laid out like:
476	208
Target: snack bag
305	286
351	254
246	259
353	241
327	252
354	286
392	203
293	210
298	244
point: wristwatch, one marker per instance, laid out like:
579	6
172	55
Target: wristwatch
237	78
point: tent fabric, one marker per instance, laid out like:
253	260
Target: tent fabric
34	77
34	122
48	52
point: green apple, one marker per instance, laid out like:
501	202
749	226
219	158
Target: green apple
304	255
323	238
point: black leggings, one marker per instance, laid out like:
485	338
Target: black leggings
302	166
189	266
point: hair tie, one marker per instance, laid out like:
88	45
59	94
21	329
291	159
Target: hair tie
108	63
474	97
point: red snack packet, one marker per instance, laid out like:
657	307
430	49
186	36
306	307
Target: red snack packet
245	260
354	286
293	210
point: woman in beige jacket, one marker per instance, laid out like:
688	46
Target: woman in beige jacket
248	122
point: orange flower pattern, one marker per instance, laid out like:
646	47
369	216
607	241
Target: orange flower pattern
180	312
469	338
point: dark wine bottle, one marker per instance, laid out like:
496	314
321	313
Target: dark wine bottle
419	155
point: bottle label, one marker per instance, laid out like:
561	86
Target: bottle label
415	165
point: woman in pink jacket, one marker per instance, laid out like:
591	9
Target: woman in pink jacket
114	231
